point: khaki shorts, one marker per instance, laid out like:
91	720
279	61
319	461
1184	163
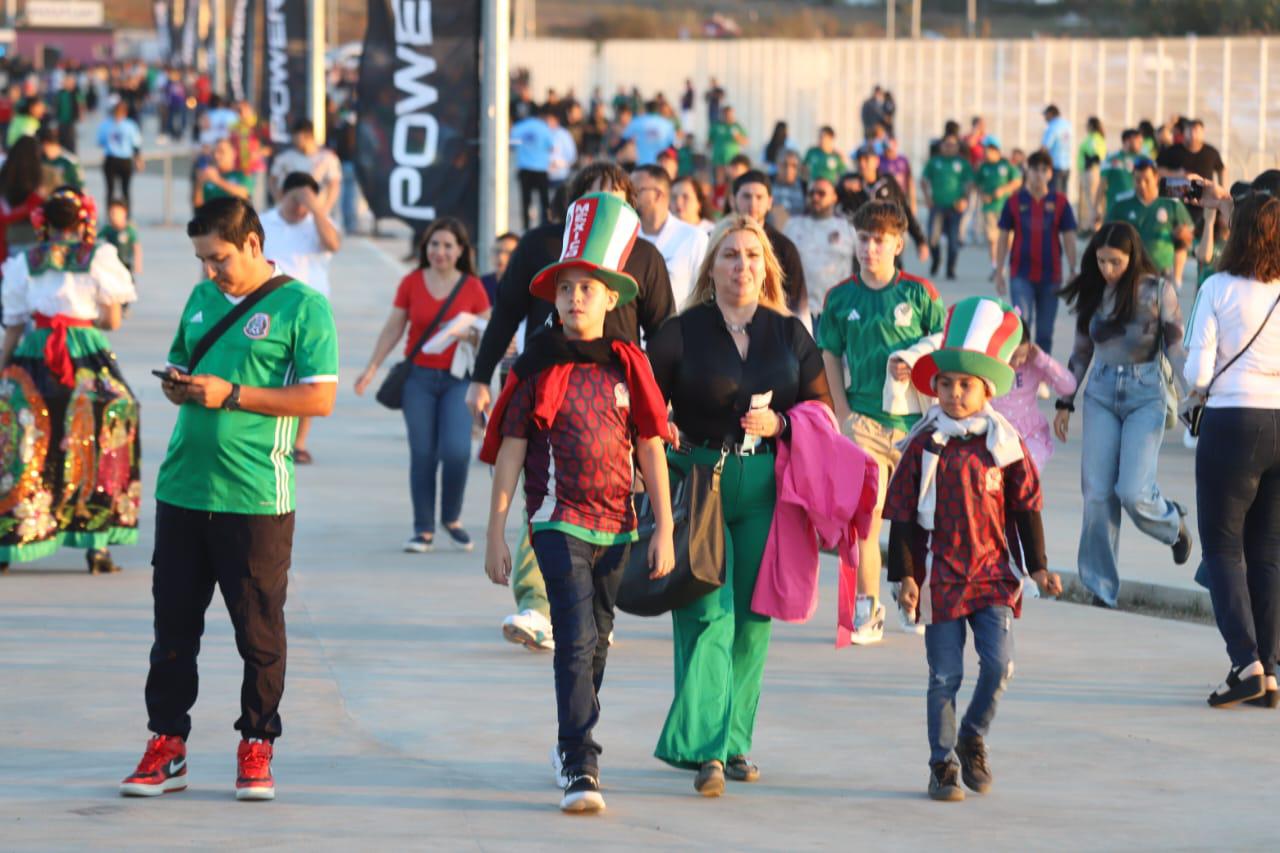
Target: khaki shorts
991	224
880	442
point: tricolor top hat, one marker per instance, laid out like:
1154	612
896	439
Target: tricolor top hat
979	339
599	231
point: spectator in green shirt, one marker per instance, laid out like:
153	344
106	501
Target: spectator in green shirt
119	232
727	139
30	114
823	161
946	180
1164	223
1088	167
1116	178
67	107
60	167
997	179
220	179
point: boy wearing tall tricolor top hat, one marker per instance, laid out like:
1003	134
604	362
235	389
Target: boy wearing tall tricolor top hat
566	419
965	486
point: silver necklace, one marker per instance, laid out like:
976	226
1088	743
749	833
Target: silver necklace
737	330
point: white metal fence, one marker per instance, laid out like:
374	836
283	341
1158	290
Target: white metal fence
811	83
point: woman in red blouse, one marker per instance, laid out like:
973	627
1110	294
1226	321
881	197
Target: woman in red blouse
435	408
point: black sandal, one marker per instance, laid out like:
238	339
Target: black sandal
710	779
741	769
1235	689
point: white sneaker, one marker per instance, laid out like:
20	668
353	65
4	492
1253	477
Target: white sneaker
557	765
906	621
530	629
868	621
418	545
1188	440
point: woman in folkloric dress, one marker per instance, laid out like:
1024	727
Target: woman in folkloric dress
69	455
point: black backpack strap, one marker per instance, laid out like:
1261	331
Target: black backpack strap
228	320
440	315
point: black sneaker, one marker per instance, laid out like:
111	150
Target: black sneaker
710	779
1236	689
582	794
1182	547
944	782
99	562
972	753
1270	699
459	537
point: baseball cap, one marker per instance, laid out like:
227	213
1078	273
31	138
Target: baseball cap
1143	163
866	150
991	141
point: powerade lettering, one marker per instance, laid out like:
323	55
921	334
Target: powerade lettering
417	132
235	58
277	71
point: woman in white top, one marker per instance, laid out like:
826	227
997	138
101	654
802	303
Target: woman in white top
69	473
1233	365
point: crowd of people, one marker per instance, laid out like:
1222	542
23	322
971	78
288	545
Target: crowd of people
733	329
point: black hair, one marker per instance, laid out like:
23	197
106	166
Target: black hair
507	235
1039	158
740	160
1129	133
229	219
1267	182
21	173
465	263
293	180
656	172
776	142
62	211
46	133
1084	293
609	175
303	125
752	176
118	201
1094	125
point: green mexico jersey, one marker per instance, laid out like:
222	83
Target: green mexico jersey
1156	223
240	179
724	143
824	164
1117	171
242	462
949	178
63	170
866	326
991	177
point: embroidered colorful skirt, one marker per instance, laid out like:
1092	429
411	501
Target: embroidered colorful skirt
69	456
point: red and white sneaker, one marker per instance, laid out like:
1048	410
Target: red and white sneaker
163	768
253	771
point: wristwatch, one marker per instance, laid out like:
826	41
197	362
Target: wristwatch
232	403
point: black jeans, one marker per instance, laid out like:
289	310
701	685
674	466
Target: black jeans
534	182
117	170
1238	503
582	584
944	222
247	557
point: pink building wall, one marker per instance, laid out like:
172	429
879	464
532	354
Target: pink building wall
81	45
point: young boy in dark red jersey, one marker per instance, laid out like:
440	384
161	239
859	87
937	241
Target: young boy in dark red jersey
567	418
965	486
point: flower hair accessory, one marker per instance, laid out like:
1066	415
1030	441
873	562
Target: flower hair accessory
86	213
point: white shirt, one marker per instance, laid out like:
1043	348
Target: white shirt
75	294
683	246
1228	311
296	249
323	165
827	248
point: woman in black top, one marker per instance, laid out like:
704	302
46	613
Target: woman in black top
731	364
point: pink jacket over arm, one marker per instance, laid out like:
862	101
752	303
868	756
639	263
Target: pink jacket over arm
826	493
1022	408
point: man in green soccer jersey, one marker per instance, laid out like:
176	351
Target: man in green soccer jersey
823	161
225	491
946	180
997	179
1164	223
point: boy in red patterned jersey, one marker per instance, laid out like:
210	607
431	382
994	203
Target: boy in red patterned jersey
574	408
966	485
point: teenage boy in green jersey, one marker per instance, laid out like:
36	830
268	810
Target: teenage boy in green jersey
866	321
997	179
823	161
1164	223
1116	177
225	491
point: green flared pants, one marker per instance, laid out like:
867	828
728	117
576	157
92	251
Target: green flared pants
720	645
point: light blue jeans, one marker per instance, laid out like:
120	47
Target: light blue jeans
439	424
944	646
1123	431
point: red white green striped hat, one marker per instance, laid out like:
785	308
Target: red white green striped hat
599	231
979	339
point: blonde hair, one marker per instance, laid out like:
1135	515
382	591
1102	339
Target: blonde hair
772	295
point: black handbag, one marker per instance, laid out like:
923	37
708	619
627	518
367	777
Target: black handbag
702	548
1192	414
391	391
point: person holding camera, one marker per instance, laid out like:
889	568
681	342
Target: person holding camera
1232	363
1164	223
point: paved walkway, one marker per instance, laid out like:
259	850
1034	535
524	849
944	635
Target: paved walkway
410	724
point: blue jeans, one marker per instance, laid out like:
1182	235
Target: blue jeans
1238	498
944	646
350	197
1038	303
944	221
435	412
582	584
1123	430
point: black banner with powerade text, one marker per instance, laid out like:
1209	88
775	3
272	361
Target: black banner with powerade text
417	155
240	49
284	66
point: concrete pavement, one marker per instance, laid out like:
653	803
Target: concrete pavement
410	724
